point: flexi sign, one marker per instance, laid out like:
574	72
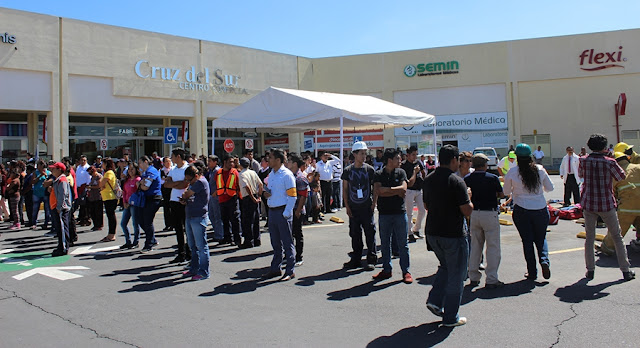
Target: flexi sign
591	60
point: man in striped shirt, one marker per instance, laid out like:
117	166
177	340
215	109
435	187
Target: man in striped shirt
598	173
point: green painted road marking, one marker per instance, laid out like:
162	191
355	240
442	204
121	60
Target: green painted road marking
19	262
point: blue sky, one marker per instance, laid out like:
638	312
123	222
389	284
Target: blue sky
335	28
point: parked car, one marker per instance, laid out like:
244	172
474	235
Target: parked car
491	153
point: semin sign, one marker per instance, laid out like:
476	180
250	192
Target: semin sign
7	38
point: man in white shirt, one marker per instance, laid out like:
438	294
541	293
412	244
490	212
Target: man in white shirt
175	181
325	168
569	173
539	155
250	191
335	186
83	178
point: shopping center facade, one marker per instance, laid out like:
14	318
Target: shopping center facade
107	90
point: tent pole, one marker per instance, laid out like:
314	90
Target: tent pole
213	140
435	146
315	143
341	155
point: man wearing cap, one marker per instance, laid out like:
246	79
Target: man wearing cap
98	164
627	192
415	171
297	166
60	204
572	179
250	191
325	168
485	225
627	149
507	163
360	201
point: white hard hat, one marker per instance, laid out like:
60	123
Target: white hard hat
359	145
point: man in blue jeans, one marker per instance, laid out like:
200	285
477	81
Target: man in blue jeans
390	186
40	195
447	202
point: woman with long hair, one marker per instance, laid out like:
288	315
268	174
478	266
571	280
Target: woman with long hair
129	212
108	192
526	183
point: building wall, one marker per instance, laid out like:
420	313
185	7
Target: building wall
546	86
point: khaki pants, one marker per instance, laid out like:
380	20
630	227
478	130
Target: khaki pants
611	219
626	220
485	227
409	199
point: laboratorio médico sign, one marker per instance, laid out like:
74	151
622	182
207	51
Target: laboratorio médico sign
188	79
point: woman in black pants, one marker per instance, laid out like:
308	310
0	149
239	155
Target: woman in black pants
108	192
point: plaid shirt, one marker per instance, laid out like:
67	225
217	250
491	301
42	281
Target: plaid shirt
598	172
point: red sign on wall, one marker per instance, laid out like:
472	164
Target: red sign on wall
229	145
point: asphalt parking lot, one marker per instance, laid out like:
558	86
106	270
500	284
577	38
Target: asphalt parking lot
99	296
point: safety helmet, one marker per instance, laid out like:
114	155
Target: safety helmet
359	145
621	147
618	154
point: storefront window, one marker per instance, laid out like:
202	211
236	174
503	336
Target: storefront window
87	147
86	131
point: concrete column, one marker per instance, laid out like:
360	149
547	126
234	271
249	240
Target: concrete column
32	132
197	140
296	142
166	122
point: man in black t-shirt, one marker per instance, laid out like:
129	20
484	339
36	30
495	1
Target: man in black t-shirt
447	203
416	173
485	223
390	185
358	197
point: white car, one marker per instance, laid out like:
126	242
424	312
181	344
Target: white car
491	153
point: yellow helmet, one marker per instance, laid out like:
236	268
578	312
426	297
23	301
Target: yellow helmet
622	147
618	154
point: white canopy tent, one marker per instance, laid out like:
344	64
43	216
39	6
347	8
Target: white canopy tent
280	109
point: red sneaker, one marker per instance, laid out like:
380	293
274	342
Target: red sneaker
407	278
382	275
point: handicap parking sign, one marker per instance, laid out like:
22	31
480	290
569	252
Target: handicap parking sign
357	138
171	135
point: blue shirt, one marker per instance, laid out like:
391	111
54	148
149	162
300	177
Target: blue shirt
38	189
198	204
153	175
282	185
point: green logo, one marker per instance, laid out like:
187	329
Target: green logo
430	69
19	262
410	70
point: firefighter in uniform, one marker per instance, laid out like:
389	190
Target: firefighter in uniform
627	149
627	193
228	191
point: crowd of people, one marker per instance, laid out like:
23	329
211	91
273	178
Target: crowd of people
460	199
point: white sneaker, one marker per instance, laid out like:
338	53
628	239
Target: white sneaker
299	263
460	322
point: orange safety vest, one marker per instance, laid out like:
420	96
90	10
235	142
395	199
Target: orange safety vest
230	187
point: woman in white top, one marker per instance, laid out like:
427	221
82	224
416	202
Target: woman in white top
525	183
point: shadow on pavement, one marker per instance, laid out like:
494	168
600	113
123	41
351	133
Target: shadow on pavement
603	260
582	291
249	285
425	335
148	280
248	257
361	290
332	275
428	280
514	289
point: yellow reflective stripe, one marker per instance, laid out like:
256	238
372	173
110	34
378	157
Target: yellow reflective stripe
232	179
632	211
292	192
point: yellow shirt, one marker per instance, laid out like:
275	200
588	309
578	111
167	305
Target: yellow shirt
107	191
